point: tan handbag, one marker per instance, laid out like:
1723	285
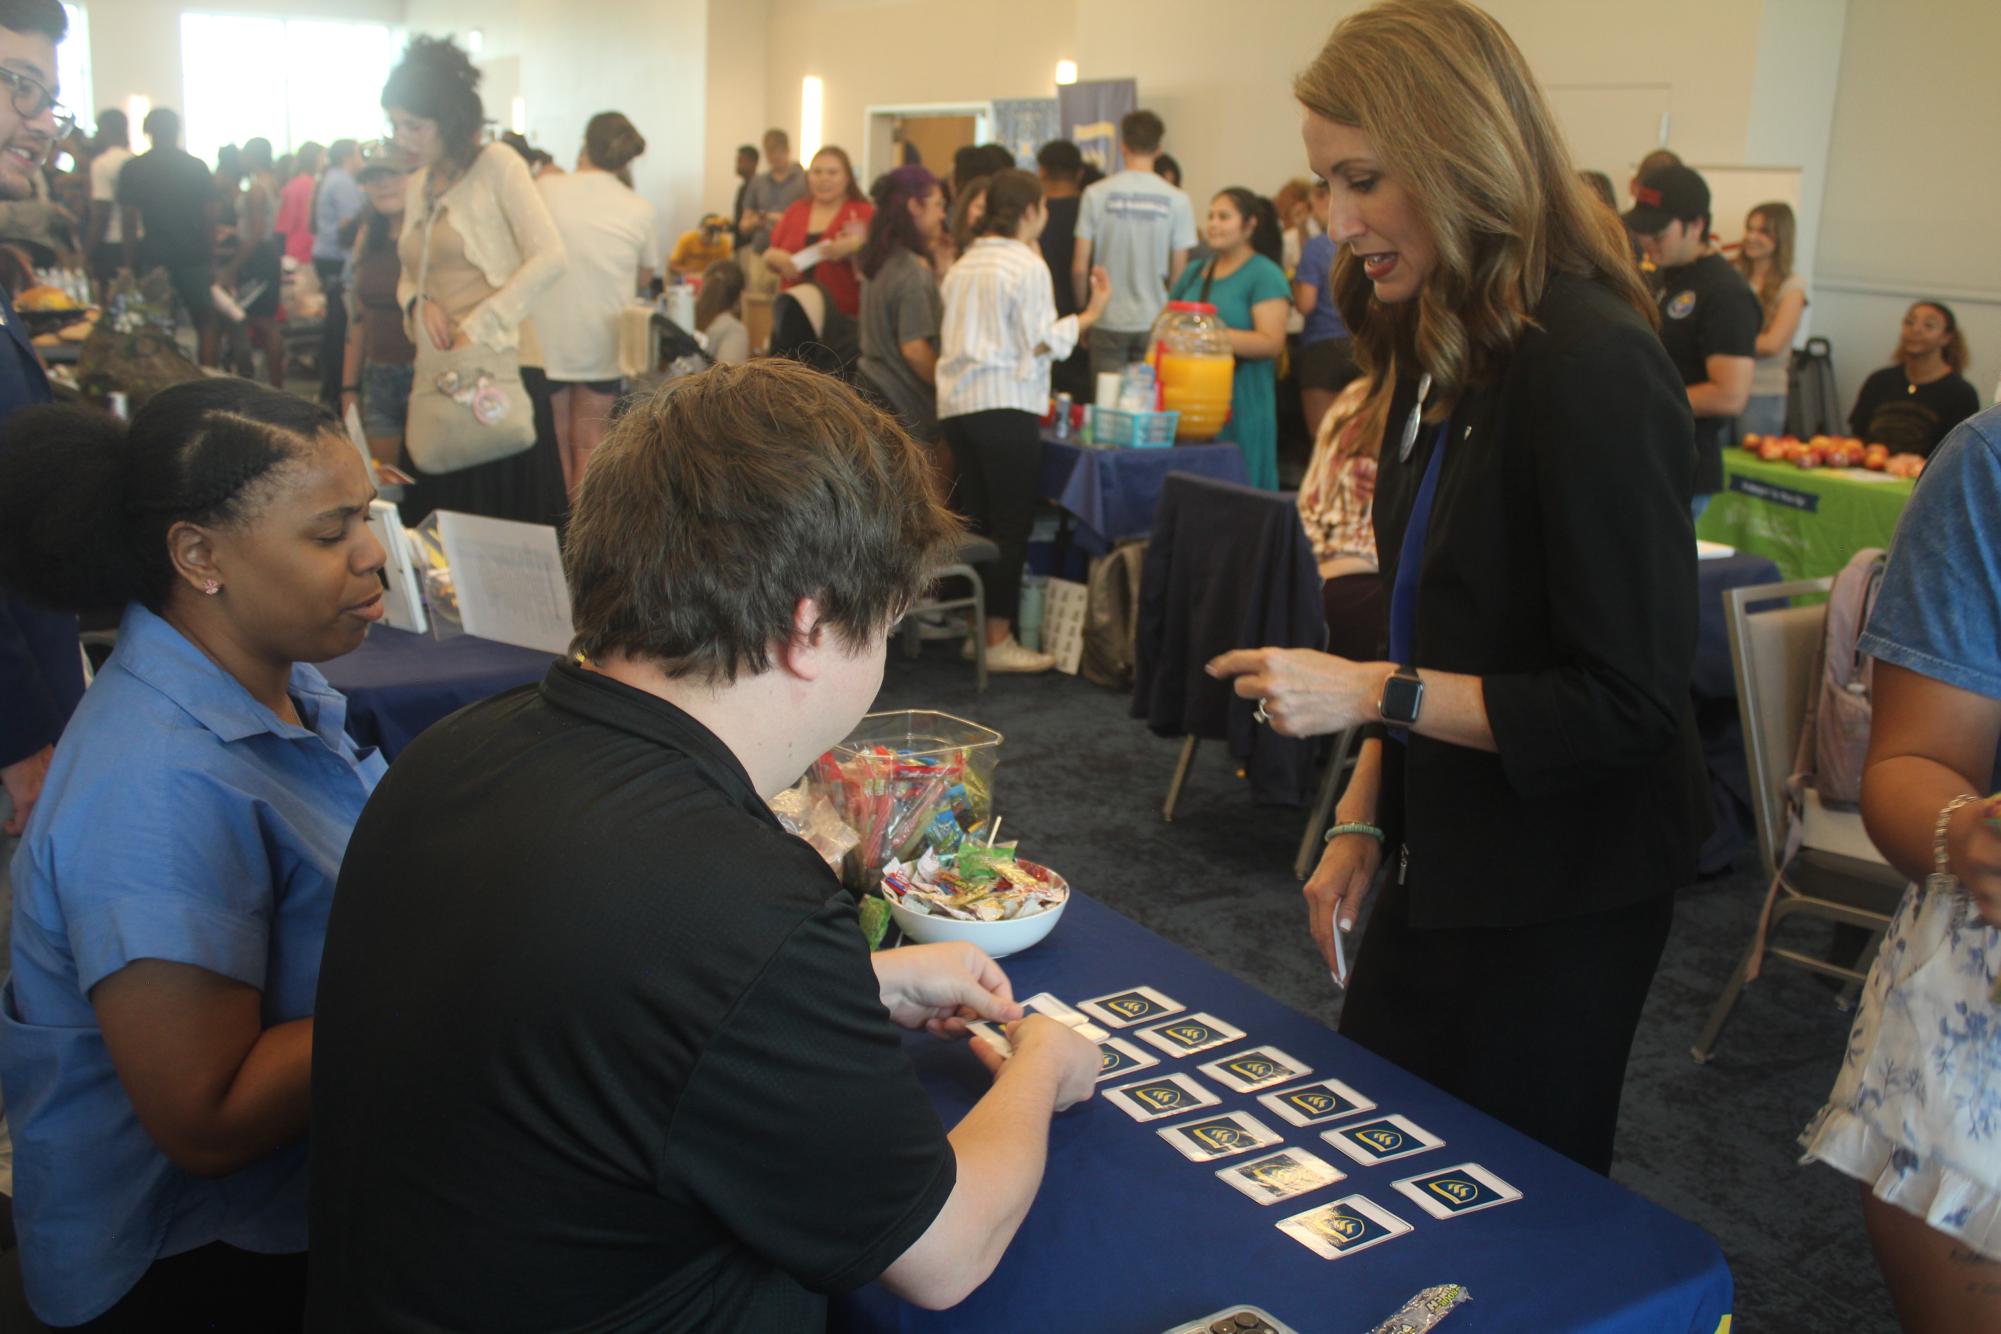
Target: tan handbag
467	405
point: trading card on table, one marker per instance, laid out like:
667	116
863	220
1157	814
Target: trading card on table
1451	1191
1282	1175
1258	1068
1317	1104
1222	1135
1162	1095
1381	1139
996	1039
1343	1227
1189	1034
1136	1005
1116	1056
1064	1013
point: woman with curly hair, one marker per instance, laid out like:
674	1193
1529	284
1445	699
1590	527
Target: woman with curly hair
493	250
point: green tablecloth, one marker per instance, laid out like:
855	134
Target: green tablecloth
1807	521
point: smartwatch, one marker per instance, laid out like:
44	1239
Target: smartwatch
1403	696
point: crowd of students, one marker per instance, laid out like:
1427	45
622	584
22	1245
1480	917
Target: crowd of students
643	1006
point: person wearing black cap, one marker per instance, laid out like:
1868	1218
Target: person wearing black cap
1709	315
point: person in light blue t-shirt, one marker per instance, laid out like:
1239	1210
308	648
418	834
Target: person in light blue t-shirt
1138	227
172	887
1915	1114
1326	351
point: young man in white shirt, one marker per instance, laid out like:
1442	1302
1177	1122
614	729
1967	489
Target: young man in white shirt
1139	227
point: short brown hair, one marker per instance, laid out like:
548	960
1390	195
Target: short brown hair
718	502
1141	131
776	139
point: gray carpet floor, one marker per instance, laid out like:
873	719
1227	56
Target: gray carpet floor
1081	784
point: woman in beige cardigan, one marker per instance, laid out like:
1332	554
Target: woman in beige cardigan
493	250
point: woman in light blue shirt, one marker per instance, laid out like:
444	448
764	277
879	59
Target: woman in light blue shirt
172	888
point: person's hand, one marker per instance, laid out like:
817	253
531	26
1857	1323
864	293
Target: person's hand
1101	290
940	987
437	324
1076	1057
23	781
1305	692
780	263
1335	890
1973	851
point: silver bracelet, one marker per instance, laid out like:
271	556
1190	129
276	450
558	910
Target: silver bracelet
1942	880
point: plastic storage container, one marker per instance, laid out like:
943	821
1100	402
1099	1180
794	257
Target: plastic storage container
1114	429
1190	351
897	775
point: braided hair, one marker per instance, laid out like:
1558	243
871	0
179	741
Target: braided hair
86	501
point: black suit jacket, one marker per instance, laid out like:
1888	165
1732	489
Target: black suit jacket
41	671
1560	569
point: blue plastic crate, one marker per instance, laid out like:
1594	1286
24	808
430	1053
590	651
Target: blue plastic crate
1112	428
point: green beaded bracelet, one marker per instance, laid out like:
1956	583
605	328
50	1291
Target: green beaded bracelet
1354	827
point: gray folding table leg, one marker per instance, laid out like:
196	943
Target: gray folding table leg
1323	805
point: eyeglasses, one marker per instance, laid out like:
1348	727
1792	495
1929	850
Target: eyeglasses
31	99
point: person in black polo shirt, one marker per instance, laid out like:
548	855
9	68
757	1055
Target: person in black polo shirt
599	1045
1709	316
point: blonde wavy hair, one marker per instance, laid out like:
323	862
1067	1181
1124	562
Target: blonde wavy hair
1446	98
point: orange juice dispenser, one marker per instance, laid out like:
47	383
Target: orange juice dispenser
1191	357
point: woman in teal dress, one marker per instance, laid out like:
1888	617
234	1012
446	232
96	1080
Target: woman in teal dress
1245	283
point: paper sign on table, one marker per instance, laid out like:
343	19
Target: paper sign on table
508	579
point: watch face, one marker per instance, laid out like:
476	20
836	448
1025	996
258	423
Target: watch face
1400	698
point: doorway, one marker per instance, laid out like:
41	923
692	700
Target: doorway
934	131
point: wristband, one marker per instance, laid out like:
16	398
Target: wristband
1354	827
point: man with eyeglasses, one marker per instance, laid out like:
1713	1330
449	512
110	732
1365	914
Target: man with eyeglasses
169	196
41	672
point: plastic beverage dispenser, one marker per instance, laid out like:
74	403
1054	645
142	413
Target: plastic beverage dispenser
1191	357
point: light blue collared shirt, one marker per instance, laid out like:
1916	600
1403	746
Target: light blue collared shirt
182	820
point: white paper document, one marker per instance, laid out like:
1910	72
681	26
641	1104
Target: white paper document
508	578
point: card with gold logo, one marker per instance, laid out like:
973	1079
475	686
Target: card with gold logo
1160	1096
1222	1135
1282	1175
1317	1104
1381	1139
1135	1005
1343	1227
1116	1057
1451	1191
1258	1068
1189	1034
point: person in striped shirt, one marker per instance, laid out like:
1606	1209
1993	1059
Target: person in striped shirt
1001	333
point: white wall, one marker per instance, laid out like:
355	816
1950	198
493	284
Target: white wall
135	45
736	83
1913	197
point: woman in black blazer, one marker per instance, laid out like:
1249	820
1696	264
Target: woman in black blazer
1536	783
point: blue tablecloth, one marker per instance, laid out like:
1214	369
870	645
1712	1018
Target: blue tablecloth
1127	1236
397	684
1111	494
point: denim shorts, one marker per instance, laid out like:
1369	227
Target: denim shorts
385	397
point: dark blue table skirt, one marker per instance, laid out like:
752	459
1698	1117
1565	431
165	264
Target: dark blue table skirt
397	684
1111	494
1127	1236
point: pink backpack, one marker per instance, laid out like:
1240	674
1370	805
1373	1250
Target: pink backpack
1834	744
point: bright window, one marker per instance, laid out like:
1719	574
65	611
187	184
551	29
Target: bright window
73	69
286	80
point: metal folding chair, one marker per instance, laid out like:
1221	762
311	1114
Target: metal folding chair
973	551
1837	874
